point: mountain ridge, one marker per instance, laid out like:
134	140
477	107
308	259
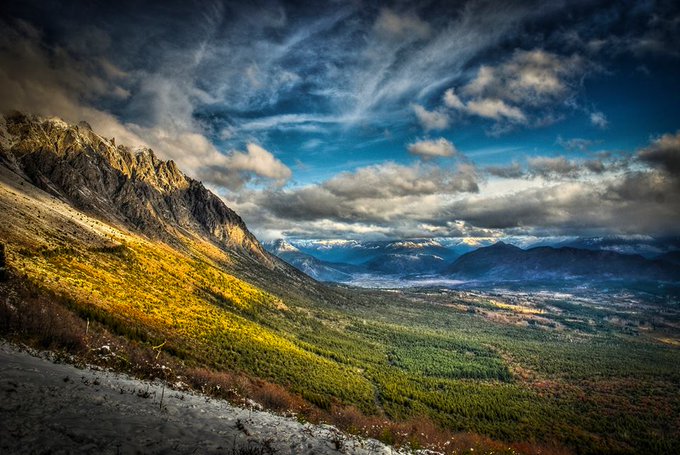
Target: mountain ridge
122	185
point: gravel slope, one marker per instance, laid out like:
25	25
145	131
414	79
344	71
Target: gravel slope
46	407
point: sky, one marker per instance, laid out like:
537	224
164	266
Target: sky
378	120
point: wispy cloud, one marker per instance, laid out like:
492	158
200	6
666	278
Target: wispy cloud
288	122
575	143
394	26
599	120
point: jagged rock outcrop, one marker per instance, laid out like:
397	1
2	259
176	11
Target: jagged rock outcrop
125	186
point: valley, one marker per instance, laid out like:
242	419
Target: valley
458	367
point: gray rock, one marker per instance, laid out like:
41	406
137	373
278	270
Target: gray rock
130	188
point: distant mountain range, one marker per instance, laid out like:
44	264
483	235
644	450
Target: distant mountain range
646	246
414	259
352	258
317	269
502	261
359	252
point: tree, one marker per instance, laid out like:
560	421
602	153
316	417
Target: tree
3	270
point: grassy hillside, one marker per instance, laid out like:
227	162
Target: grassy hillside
450	371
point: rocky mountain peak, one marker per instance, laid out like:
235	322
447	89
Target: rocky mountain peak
133	188
500	245
281	245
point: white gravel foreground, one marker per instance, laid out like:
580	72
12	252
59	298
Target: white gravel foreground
53	408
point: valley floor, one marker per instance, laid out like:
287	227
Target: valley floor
48	407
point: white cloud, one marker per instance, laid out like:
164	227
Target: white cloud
485	78
599	120
513	91
495	109
531	79
551	196
237	168
260	162
534	77
381	195
452	101
431	120
432	148
385	181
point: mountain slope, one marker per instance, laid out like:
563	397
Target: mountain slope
201	298
138	194
672	256
507	262
405	263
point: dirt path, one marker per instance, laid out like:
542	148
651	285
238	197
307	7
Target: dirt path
57	408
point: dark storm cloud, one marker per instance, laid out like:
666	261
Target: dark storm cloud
511	171
663	153
550	167
558	167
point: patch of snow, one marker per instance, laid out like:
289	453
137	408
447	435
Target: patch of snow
415	244
282	246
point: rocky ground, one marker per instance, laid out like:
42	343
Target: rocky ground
48	407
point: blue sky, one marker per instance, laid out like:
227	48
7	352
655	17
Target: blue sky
355	119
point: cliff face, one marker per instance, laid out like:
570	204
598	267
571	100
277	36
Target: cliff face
125	186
